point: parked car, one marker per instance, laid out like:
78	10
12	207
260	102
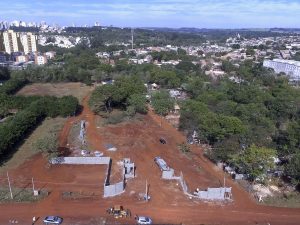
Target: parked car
143	220
52	220
85	152
98	154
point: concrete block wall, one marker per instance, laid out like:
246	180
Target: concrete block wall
114	189
81	160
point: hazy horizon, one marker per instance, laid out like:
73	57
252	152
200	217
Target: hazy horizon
210	14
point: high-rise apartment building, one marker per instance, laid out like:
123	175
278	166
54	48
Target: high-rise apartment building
2	48
28	41
10	39
18	42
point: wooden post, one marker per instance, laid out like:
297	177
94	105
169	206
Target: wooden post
11	195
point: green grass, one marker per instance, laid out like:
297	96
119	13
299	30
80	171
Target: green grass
26	150
291	200
20	195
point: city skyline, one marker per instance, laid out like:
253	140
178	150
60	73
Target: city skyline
158	13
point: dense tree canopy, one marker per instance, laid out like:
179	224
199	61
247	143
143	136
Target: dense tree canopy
162	102
259	108
124	92
30	111
255	161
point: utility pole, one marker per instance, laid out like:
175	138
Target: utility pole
11	195
146	191
32	185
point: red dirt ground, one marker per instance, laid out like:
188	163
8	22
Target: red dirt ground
139	142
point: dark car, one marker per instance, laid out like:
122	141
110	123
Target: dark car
162	141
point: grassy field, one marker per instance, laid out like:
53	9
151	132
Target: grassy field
291	200
20	195
77	90
26	150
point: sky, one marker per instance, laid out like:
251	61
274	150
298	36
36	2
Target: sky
157	13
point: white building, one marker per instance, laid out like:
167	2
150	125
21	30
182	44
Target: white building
22	58
50	55
290	67
40	59
19	42
28	41
10	39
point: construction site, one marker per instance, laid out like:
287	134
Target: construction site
127	165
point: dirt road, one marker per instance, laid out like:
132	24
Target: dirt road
139	141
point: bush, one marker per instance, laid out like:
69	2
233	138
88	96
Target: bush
116	117
12	131
12	86
184	148
48	145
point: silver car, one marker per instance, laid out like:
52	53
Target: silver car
53	220
143	220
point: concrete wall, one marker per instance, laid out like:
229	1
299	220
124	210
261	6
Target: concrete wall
110	190
168	174
114	189
81	160
214	194
183	184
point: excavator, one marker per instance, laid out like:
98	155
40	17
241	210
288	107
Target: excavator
118	211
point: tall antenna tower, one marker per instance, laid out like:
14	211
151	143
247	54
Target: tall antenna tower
131	38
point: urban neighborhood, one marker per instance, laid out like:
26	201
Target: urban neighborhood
108	124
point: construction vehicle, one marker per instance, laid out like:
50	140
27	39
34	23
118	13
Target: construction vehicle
118	211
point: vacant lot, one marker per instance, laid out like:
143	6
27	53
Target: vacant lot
76	190
26	150
78	90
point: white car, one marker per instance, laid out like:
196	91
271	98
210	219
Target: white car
53	220
98	154
85	152
143	220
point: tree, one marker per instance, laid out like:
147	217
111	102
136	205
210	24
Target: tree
138	102
162	102
185	66
297	56
211	127
292	169
181	51
255	161
236	46
48	145
228	66
4	73
101	99
165	78
250	51
105	97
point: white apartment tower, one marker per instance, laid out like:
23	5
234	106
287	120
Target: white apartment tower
28	41
10	41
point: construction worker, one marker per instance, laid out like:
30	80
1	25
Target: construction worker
33	220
